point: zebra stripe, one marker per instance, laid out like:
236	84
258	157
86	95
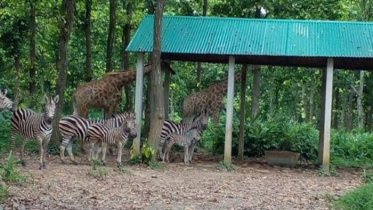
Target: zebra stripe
100	133
32	125
5	102
186	140
74	126
200	122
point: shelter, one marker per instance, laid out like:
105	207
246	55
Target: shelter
322	44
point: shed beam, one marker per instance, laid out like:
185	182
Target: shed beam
326	112
166	92
229	114
138	101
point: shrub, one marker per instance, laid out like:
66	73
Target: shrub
359	199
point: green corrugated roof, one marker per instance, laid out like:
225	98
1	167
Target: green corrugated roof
268	37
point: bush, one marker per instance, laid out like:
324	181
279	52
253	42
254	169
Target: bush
359	199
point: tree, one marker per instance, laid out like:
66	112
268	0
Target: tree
157	108
32	26
66	24
88	43
110	40
126	38
199	67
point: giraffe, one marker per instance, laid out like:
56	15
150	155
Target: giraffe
210	98
105	93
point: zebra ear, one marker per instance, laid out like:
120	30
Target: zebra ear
56	99
4	92
45	99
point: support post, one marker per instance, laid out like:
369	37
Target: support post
166	93
229	113
138	102
242	112
326	113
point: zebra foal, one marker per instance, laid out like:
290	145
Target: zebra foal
100	133
186	140
32	125
73	126
200	122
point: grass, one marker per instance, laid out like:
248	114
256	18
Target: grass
222	166
97	170
9	173
359	199
3	192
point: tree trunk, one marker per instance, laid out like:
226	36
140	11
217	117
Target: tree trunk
16	86
88	42
157	108
242	113
149	90
304	102
272	87
295	102
369	117
360	110
199	66
255	92
126	37
172	108
110	40
312	92
337	108
32	84
349	120
64	36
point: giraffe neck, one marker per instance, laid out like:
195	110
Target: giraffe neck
224	83
120	79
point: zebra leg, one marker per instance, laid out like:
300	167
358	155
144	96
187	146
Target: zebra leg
167	150
103	145
41	152
22	151
119	158
91	152
45	148
186	154
13	141
69	149
191	151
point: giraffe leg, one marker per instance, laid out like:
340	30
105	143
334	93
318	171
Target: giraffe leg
84	113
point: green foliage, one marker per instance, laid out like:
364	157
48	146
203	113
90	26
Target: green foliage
3	191
367	176
332	172
5	117
9	173
359	199
145	157
97	170
225	166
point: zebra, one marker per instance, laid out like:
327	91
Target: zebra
200	121
100	133
74	126
32	125
5	102
186	140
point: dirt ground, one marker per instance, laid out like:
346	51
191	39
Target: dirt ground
252	185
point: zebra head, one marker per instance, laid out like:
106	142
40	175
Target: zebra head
129	124
50	107
5	102
202	119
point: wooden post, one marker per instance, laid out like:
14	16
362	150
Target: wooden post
138	102
326	113
229	113
242	113
166	92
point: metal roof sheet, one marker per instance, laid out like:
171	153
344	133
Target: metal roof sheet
258	37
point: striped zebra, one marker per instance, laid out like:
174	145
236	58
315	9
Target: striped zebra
5	102
200	121
32	125
100	133
186	140
74	126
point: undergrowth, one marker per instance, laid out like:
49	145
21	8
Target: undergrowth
359	199
97	170
225	166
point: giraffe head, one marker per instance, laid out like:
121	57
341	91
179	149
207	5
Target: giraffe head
5	102
50	107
